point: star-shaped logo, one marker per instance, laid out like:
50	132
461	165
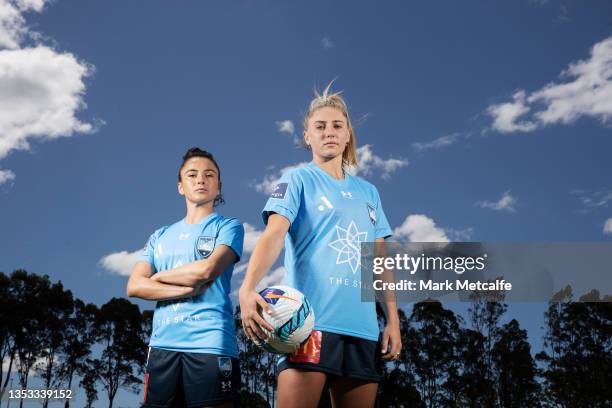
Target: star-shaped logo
348	245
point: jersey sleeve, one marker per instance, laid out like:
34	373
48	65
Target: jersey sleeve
285	199
231	234
383	230
148	252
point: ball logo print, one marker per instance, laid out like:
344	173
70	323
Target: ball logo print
292	318
272	295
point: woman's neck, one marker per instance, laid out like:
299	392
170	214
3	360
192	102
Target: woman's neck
333	167
196	213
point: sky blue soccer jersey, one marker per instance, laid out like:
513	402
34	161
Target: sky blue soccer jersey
329	220
203	323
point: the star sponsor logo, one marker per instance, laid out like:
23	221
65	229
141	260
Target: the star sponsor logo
348	245
346	194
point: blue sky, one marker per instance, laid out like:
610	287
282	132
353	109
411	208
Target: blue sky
483	121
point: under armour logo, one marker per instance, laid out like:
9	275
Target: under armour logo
226	386
346	194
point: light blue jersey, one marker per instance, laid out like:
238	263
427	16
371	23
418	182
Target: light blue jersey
203	323
329	220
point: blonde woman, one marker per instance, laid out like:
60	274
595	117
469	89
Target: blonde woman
322	213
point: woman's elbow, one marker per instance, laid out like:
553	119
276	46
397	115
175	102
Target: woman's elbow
131	289
206	272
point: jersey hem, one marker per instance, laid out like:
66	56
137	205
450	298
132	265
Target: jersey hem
360	335
280	211
206	350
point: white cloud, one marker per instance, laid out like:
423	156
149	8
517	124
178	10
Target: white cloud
274	277
267	184
505	115
369	162
6	176
286	126
327	43
420	228
505	203
41	89
13	28
462	235
40	92
586	91
437	143
594	199
608	227
251	235
120	263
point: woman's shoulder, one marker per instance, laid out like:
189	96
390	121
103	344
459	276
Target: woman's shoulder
298	171
228	222
365	185
162	230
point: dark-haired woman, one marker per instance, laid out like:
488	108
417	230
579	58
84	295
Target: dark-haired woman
187	268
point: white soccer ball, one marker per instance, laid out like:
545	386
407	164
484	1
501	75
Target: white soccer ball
292	318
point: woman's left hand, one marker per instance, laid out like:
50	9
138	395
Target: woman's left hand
391	337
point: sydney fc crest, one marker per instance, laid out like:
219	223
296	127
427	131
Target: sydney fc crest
225	366
372	214
205	246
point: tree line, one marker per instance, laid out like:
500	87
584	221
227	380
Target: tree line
446	361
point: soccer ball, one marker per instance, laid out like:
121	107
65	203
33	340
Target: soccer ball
292	318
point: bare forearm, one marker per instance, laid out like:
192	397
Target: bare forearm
389	304
265	254
191	274
149	289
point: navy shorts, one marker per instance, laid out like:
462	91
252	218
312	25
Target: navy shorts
337	355
178	379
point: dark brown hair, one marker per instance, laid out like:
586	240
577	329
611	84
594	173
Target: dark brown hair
197	152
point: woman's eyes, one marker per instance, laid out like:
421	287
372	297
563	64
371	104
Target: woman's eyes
321	127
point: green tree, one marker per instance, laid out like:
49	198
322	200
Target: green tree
577	358
476	389
433	334
119	330
29	335
516	368
8	326
78	340
397	387
56	308
88	382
